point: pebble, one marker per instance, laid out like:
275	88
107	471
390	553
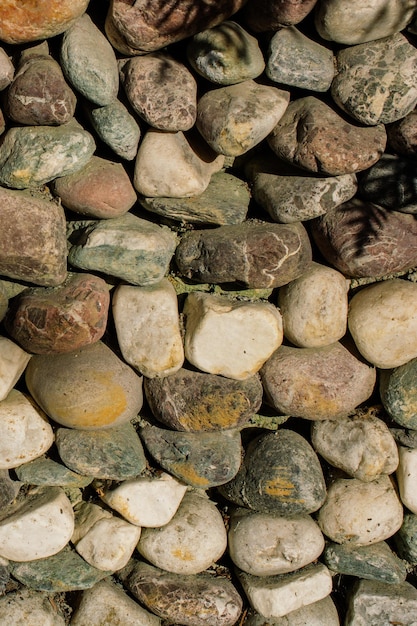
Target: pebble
117	128
86	515
390	183
402	135
374	603
46	471
9	490
406	539
406	477
13	362
315	614
7	69
398	394
264	16
29	607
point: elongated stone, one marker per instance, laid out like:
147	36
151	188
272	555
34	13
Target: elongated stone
315	614
117	128
13	361
399	394
44	471
406	477
372	602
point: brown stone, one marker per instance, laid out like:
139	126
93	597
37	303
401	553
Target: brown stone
402	135
264	15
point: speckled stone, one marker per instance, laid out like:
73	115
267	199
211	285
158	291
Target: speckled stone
117	128
406	539
25	606
399	394
45	471
391	183
374	603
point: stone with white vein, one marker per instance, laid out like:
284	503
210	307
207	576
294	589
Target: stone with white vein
13	361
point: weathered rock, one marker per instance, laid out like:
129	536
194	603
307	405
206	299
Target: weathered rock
406	539
314	614
9	489
375	603
398	394
404	437
262	15
29	607
117	128
86	515
6	70
390	183
13	361
45	471
402	135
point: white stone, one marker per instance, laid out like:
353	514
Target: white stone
230	338
263	544
149	502
194	539
105	603
382	320
39	527
167	165
360	513
407	477
13	361
321	613
279	595
6	70
86	515
27	607
314	307
148	328
25	432
374	603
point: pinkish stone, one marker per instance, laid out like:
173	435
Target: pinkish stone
264	15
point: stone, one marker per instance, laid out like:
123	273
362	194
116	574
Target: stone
375	314
263	15
224	201
60	319
276	596
387	96
101	189
117	128
226	54
404	437
390	184
257	254
89	62
9	490
193	600
402	135
38	527
406	477
362	239
174	165
317	383
406	539
398	394
87	514
148	328
263	544
6	69
375	562
148	501
199	402
298	61
361	514
88	389
13	361
110	454
25	606
280	474
236	118
374	603
128	247
230	338
190	542
315	137
4	302
314	307
161	90
202	460
45	471
28	253
31	156
315	614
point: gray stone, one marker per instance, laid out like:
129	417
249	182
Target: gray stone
391	183
406	539
8	488
405	437
117	128
29	607
399	394
44	471
374	603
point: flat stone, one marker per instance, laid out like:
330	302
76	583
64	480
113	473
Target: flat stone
13	361
196	401
375	603
390	183
402	135
406	477
280	474
115	453
406	539
6	69
89	388
230	338
399	395
44	471
29	607
256	254
117	128
313	136
315	614
128	247
236	118
266	16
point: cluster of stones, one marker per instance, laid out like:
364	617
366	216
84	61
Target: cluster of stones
208	305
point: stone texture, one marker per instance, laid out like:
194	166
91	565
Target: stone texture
399	395
117	128
315	614
29	607
402	135
263	15
45	471
406	477
9	490
390	183
6	69
13	361
374	603
406	539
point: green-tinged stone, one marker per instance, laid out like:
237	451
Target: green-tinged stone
8	488
398	393
43	471
65	571
374	562
406	539
117	128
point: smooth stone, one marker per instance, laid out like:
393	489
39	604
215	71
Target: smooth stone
224	201
398	394
60	319
148	501
313	136
174	165
192	600
6	69
236	118
9	490
263	15
45	471
406	477
25	606
101	189
106	603
196	401
115	453
13	362
362	239
30	254
230	338
161	90
276	596
314	307
375	562
31	156
38	527
128	247
406	539
298	61
375	603
86	515
390	183
366	90
402	135
64	571
117	128
362	447
361	514
226	54
193	539
256	254
148	328
263	544
202	460
89	389
89	62
375	315
315	614
280	474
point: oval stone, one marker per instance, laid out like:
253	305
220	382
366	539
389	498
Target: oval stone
398	393
117	128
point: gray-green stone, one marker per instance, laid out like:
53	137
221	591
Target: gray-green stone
43	471
406	539
117	128
405	437
373	603
8	488
398	392
391	183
